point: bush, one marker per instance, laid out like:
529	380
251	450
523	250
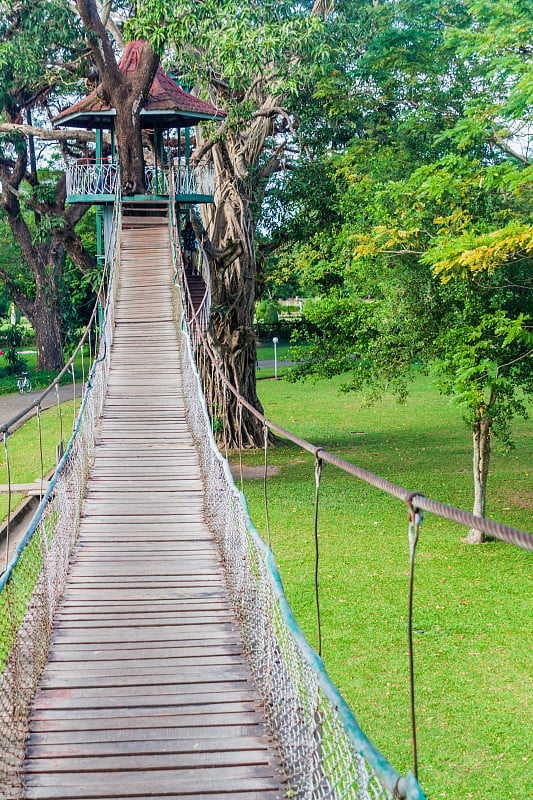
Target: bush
13	338
285	329
266	312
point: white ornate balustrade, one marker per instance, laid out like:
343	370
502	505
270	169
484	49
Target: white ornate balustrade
96	179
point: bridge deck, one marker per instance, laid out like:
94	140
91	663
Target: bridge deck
146	692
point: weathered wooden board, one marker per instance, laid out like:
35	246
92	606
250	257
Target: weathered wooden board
146	692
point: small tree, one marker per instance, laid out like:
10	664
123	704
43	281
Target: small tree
486	369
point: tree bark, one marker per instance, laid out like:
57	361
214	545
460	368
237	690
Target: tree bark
128	139
45	322
43	311
228	232
481	440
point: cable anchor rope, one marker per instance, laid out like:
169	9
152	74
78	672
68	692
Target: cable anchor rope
265	476
415	517
319	466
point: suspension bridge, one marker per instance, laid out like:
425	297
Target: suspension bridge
147	648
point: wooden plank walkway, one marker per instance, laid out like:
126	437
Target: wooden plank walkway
146	692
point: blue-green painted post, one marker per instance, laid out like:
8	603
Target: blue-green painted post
99	208
164	188
156	144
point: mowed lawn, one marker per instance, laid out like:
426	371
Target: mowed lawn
24	448
473	615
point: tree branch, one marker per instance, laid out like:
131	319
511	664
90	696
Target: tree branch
497	142
98	41
46	133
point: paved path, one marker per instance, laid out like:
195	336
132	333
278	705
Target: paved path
147	691
12	404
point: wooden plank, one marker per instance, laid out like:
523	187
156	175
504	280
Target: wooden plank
183	695
195	744
145	678
139	761
163	665
165	718
154	783
155	736
151	653
114	621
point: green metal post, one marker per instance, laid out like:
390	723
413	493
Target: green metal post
156	144
100	255
164	189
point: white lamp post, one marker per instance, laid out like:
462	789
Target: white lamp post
275	340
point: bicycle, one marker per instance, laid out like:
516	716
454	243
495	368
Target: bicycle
24	383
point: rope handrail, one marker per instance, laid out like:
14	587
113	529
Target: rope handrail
490	527
6	426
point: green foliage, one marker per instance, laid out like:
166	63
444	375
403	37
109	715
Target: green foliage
418	241
266	312
485	367
13	338
236	42
36	38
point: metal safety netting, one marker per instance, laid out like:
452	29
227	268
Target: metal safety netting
323	751
34	579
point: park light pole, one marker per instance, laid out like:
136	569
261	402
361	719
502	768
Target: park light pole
275	340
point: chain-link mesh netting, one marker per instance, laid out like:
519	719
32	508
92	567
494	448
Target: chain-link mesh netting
32	585
323	751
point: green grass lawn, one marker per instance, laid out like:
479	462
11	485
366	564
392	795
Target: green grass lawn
265	350
473	620
24	450
43	378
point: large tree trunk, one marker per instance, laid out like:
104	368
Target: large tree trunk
128	138
45	322
230	226
43	312
481	441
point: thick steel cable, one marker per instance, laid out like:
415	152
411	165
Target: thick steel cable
213	399
497	530
224	412
319	465
83	368
415	519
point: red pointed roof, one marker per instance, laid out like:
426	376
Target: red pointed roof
167	104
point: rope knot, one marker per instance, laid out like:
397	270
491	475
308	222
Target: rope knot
412	510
